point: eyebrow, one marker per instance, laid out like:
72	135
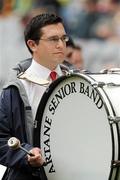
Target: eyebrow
56	36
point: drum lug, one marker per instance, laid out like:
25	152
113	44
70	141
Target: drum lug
35	123
69	73
115	163
114	119
112	84
98	84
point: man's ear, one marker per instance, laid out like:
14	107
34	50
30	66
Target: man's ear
31	44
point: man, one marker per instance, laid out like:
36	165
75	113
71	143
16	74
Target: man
74	58
69	50
46	39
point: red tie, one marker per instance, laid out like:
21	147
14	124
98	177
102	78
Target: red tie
53	75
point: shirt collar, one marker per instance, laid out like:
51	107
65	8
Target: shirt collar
40	71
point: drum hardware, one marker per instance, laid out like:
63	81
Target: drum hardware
74	71
98	84
35	123
114	70
110	71
112	84
107	71
71	71
114	119
115	163
101	84
84	71
104	71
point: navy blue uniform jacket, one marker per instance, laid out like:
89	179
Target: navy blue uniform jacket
13	124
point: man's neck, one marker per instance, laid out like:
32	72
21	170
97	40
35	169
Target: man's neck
48	66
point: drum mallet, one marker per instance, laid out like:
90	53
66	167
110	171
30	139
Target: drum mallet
14	144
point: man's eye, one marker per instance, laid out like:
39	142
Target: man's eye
54	39
64	38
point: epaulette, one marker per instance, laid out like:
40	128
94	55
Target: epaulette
34	79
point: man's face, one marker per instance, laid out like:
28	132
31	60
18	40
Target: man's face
51	50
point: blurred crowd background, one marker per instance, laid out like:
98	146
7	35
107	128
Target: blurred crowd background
93	25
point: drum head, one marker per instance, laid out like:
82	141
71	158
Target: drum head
75	135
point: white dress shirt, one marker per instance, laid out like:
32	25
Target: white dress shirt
35	91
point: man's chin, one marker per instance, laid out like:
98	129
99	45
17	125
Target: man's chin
59	61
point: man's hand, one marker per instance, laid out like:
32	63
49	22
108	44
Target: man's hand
36	160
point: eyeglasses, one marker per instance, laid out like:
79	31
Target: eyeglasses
55	39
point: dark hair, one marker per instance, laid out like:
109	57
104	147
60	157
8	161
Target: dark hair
77	47
33	28
1	5
70	43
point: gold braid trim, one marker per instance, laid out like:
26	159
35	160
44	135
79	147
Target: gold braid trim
34	79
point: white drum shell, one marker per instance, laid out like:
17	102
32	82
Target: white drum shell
79	139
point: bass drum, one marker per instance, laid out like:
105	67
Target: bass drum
78	127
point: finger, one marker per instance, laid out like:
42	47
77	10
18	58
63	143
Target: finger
33	158
35	151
